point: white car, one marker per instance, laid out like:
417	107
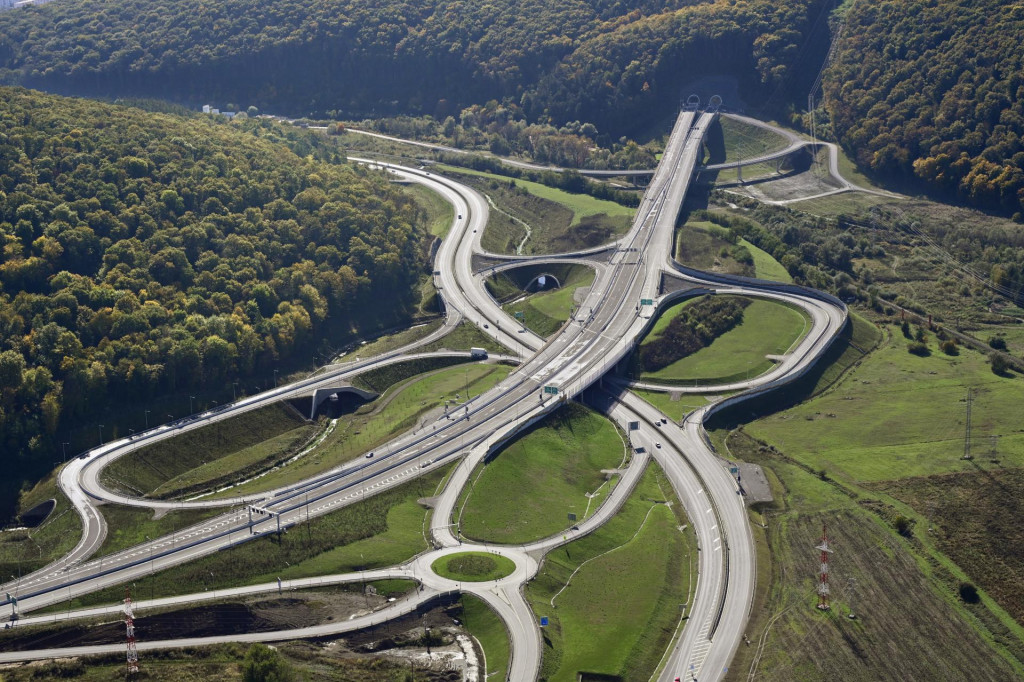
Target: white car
657	445
369	455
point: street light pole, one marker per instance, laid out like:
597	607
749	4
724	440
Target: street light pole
147	419
101	434
64	449
190	399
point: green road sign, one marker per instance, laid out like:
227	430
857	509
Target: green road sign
518	314
646	301
553	390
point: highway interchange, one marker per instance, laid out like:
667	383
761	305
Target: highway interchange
607	327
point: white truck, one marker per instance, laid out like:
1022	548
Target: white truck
478	353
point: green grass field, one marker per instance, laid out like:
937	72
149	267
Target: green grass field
473	567
581	205
398	410
899	415
768	328
616	615
546	311
382	530
674	409
560	462
212	455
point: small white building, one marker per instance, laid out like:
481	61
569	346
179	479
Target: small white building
206	108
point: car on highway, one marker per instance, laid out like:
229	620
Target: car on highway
657	445
369	455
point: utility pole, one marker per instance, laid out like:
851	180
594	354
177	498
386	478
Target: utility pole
967	428
851	587
823	589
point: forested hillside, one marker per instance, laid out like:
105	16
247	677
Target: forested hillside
146	253
619	65
933	91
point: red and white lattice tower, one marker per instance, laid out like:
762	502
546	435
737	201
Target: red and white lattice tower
823	590
132	663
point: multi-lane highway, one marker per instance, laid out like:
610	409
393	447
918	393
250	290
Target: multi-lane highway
610	322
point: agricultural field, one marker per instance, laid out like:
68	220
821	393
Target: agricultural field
612	597
903	602
767	328
875	453
560	461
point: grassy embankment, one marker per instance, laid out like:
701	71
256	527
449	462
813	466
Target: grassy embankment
382	530
876	456
556	220
473	566
388	342
545	312
703	245
560	462
617	591
213	455
768	328
407	396
24	551
488	629
464	337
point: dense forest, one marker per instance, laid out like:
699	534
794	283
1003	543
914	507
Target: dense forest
618	65
147	253
932	91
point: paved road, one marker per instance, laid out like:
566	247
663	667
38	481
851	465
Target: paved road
573	360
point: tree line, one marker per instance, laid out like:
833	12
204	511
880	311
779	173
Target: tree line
145	253
618	65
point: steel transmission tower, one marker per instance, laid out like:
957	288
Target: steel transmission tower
823	590
967	429
132	660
